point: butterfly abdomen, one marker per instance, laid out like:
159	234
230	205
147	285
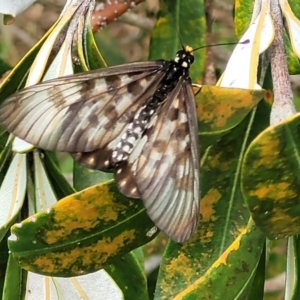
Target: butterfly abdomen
174	70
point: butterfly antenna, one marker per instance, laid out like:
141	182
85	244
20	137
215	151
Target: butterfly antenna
180	39
224	44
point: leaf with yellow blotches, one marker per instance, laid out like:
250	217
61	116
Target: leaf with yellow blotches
230	269
81	233
220	109
227	246
271	179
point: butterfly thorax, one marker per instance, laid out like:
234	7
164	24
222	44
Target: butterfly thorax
178	67
175	69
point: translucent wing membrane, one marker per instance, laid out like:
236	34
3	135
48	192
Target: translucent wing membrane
137	120
81	113
165	166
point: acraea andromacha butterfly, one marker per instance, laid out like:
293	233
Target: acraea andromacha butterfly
137	120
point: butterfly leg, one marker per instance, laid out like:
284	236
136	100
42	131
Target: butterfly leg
198	87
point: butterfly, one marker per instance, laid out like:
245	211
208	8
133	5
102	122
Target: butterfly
137	120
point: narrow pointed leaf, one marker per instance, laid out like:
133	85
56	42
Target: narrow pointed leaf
3	262
5	152
293	267
12	193
14	280
91	52
292	283
44	195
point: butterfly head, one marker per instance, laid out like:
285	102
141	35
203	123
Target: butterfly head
184	58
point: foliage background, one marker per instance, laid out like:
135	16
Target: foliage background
129	40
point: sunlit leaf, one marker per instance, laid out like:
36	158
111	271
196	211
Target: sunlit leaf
220	109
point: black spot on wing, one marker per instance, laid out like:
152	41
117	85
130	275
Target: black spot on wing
86	86
113	83
135	88
98	160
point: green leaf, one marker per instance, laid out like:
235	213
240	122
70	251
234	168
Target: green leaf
14	278
3	262
271	180
293	270
129	276
4	67
110	48
221	109
5	152
257	286
175	21
295	5
207	277
88	52
59	183
242	16
81	233
84	177
292	59
216	260
92	53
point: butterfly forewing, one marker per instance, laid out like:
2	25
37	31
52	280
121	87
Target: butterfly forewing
136	120
80	113
165	165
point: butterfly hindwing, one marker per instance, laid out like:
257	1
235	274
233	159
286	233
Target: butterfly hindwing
165	166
